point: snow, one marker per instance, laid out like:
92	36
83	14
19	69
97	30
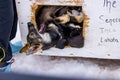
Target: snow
69	67
64	67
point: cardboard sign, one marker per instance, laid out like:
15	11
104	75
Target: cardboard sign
100	27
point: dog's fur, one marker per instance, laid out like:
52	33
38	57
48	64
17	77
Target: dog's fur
46	23
56	26
71	22
37	41
34	40
46	15
72	14
64	21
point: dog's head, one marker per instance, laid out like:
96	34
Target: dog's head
76	14
34	39
72	14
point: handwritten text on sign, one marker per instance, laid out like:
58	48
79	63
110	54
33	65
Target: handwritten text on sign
110	22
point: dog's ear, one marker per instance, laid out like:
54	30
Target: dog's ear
30	26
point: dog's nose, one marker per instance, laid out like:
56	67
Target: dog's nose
30	24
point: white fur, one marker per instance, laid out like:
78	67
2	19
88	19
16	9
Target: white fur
53	26
76	13
79	15
46	37
74	26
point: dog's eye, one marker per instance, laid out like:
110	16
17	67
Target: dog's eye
32	35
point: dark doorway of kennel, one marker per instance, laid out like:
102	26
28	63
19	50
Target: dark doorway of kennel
69	21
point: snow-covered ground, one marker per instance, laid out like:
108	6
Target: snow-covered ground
68	67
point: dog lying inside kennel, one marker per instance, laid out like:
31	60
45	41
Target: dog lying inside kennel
57	26
72	28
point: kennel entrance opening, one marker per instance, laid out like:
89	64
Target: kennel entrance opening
68	19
